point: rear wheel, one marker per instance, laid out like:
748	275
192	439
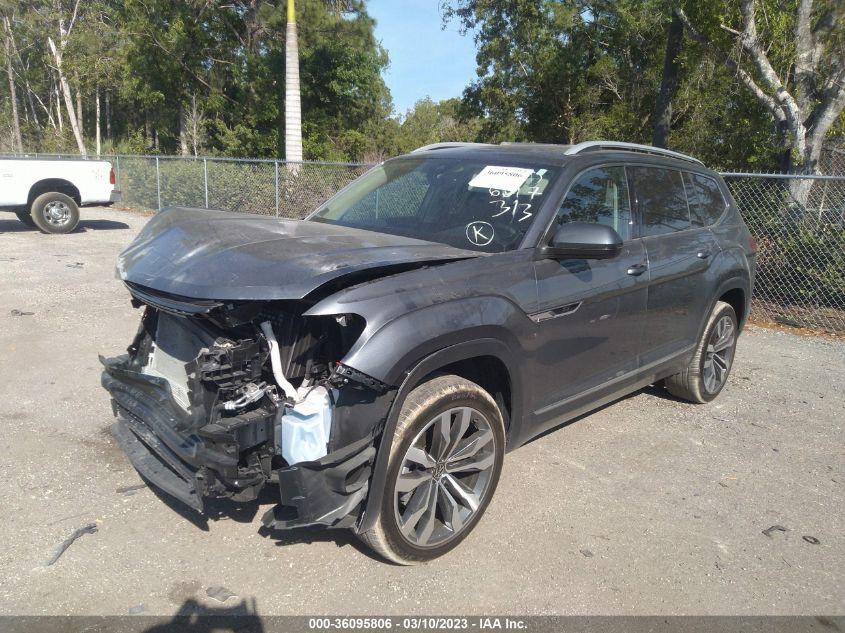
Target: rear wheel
708	371
25	217
445	461
54	212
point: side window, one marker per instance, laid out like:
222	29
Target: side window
706	202
599	196
661	200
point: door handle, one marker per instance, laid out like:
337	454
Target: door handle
637	269
702	254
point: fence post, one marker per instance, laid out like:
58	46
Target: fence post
205	178
158	185
117	168
276	163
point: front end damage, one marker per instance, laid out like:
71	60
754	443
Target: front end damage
220	399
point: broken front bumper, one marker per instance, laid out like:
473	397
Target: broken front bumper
192	465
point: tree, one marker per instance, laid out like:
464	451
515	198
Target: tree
65	27
794	67
429	122
563	71
668	82
13	95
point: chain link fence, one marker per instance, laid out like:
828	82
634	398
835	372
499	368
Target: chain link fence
799	225
265	187
798	221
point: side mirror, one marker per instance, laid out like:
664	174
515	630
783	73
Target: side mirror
583	240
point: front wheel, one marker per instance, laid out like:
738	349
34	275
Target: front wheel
708	371
445	461
54	212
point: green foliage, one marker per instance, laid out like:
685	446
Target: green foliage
568	70
430	122
210	72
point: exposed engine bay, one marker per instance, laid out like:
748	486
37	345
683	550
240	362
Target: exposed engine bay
221	398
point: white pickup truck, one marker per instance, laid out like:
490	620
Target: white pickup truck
48	193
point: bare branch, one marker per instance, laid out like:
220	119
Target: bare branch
750	41
73	17
831	106
805	60
772	105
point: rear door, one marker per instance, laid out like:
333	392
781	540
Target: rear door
679	254
590	313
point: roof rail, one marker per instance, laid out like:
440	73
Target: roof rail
447	145
588	146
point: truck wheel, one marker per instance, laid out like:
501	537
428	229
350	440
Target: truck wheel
54	212
445	460
708	371
25	217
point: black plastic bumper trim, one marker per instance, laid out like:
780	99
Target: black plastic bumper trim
328	492
156	463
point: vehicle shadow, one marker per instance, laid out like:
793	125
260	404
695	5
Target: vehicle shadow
16	226
309	535
218	509
198	618
246	512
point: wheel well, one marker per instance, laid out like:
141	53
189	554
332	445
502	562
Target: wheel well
736	299
53	184
489	373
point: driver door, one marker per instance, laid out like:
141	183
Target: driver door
590	316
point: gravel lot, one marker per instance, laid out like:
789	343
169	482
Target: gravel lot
648	506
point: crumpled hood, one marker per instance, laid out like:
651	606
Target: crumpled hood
235	256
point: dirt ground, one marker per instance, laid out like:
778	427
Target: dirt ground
647	506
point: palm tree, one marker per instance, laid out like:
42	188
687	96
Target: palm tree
293	110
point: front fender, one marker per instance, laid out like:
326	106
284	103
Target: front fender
387	352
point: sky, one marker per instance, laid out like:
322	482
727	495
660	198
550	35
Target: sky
425	60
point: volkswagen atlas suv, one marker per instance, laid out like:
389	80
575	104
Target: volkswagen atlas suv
375	361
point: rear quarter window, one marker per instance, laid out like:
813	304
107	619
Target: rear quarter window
706	202
661	200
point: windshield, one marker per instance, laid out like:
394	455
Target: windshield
467	204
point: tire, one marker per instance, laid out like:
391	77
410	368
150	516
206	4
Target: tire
707	373
25	217
462	473
54	212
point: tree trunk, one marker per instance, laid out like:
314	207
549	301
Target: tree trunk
800	188
74	123
293	110
97	117
108	116
183	131
195	125
669	82
16	123
58	108
79	109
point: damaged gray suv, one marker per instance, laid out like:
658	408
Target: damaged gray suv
374	362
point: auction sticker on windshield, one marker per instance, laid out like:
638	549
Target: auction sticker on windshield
502	178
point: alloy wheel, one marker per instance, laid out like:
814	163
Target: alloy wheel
444	476
719	354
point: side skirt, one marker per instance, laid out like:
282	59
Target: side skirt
600	395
